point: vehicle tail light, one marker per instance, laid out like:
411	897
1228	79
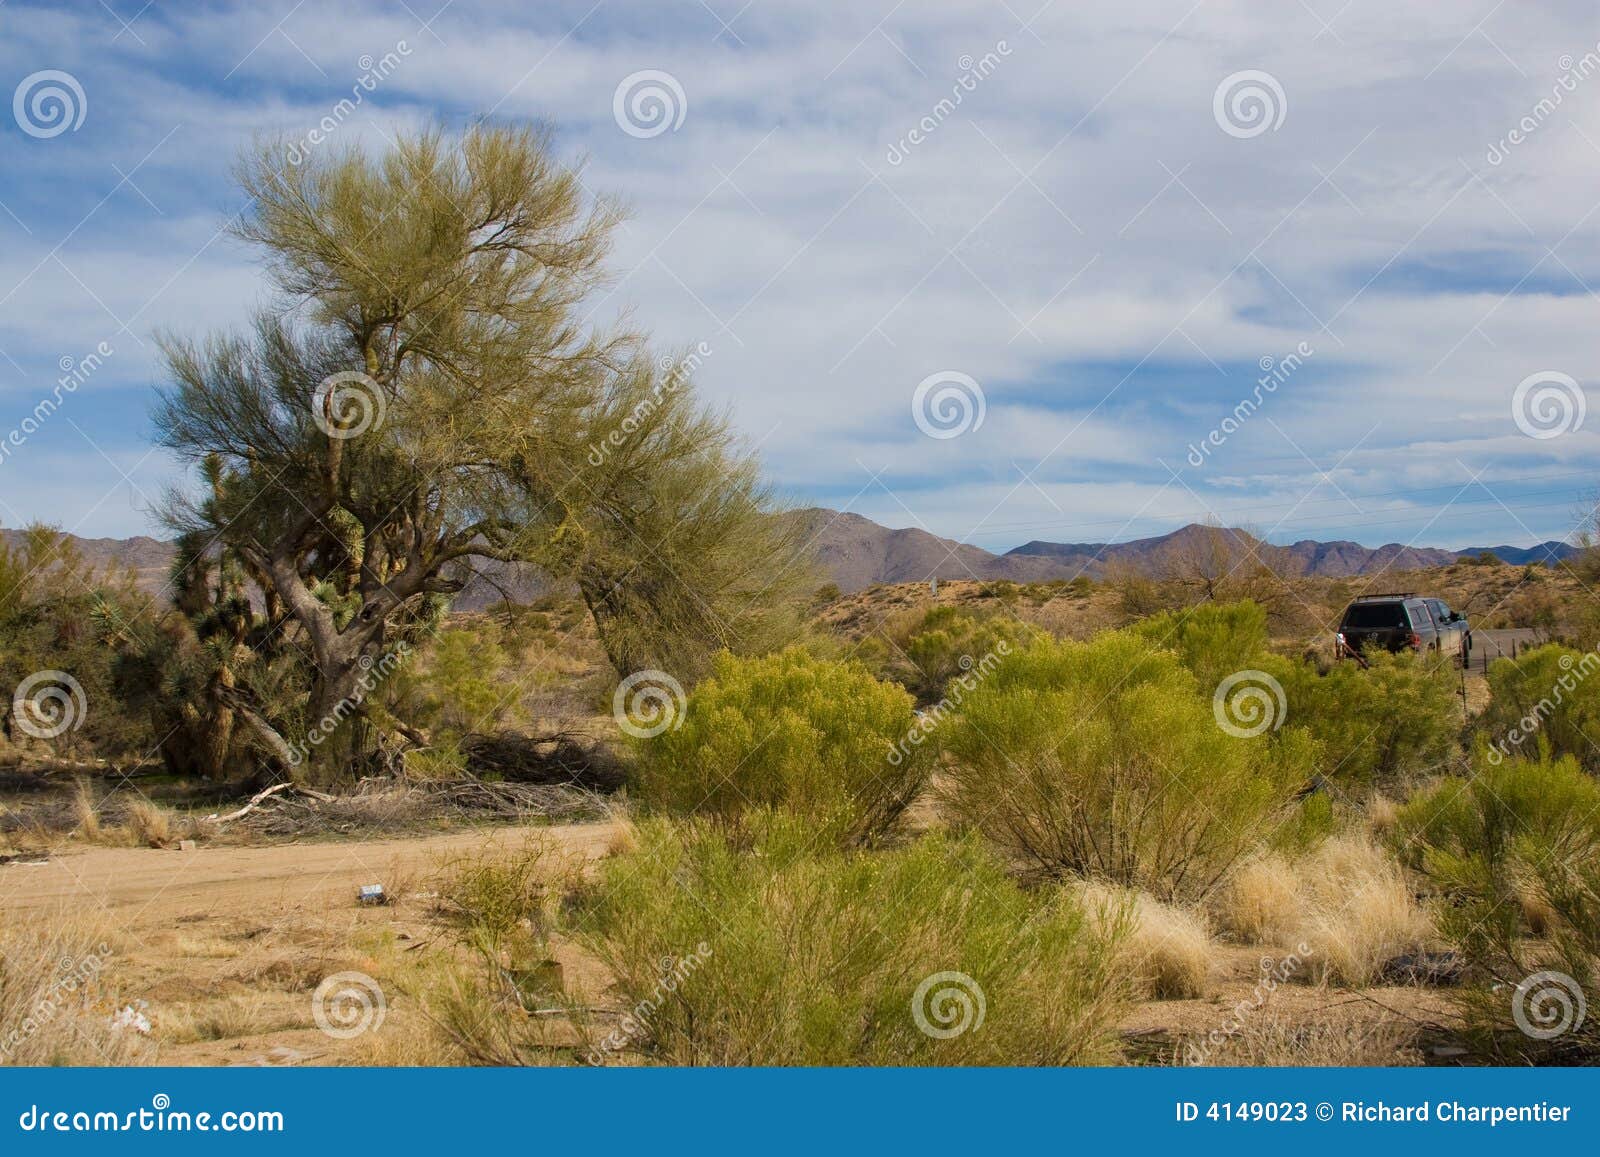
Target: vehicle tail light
1415	640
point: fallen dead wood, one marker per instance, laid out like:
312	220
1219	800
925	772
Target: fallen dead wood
262	796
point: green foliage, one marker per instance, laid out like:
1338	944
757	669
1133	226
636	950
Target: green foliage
53	607
1212	639
1398	718
1105	758
826	593
1515	854
1550	692
770	954
810	736
420	400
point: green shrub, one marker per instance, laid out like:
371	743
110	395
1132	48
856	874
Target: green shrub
1547	692
815	737
770	954
1105	758
1394	720
941	643
1515	854
1213	639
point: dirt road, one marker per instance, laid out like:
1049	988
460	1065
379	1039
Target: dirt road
158	888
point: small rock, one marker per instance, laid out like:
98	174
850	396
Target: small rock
1448	1051
186	845
1437	968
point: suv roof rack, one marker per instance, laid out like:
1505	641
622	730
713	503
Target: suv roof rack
1390	595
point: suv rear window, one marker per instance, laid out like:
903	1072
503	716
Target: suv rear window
1371	615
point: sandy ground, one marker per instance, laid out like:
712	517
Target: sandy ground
226	944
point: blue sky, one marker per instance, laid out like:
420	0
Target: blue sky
1096	239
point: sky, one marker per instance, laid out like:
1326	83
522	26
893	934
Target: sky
998	269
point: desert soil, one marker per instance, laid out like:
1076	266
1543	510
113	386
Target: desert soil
226	944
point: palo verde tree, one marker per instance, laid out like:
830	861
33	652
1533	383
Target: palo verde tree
424	399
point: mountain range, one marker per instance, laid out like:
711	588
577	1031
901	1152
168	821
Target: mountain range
856	552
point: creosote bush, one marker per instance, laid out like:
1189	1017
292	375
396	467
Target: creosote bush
1548	693
1213	639
1104	759
1378	726
1515	854
846	958
809	736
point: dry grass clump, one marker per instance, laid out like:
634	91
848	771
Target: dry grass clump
1273	1040
1169	948
148	823
1348	902
56	1006
1261	903
1360	912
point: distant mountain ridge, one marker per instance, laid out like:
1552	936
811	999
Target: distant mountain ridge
856	552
